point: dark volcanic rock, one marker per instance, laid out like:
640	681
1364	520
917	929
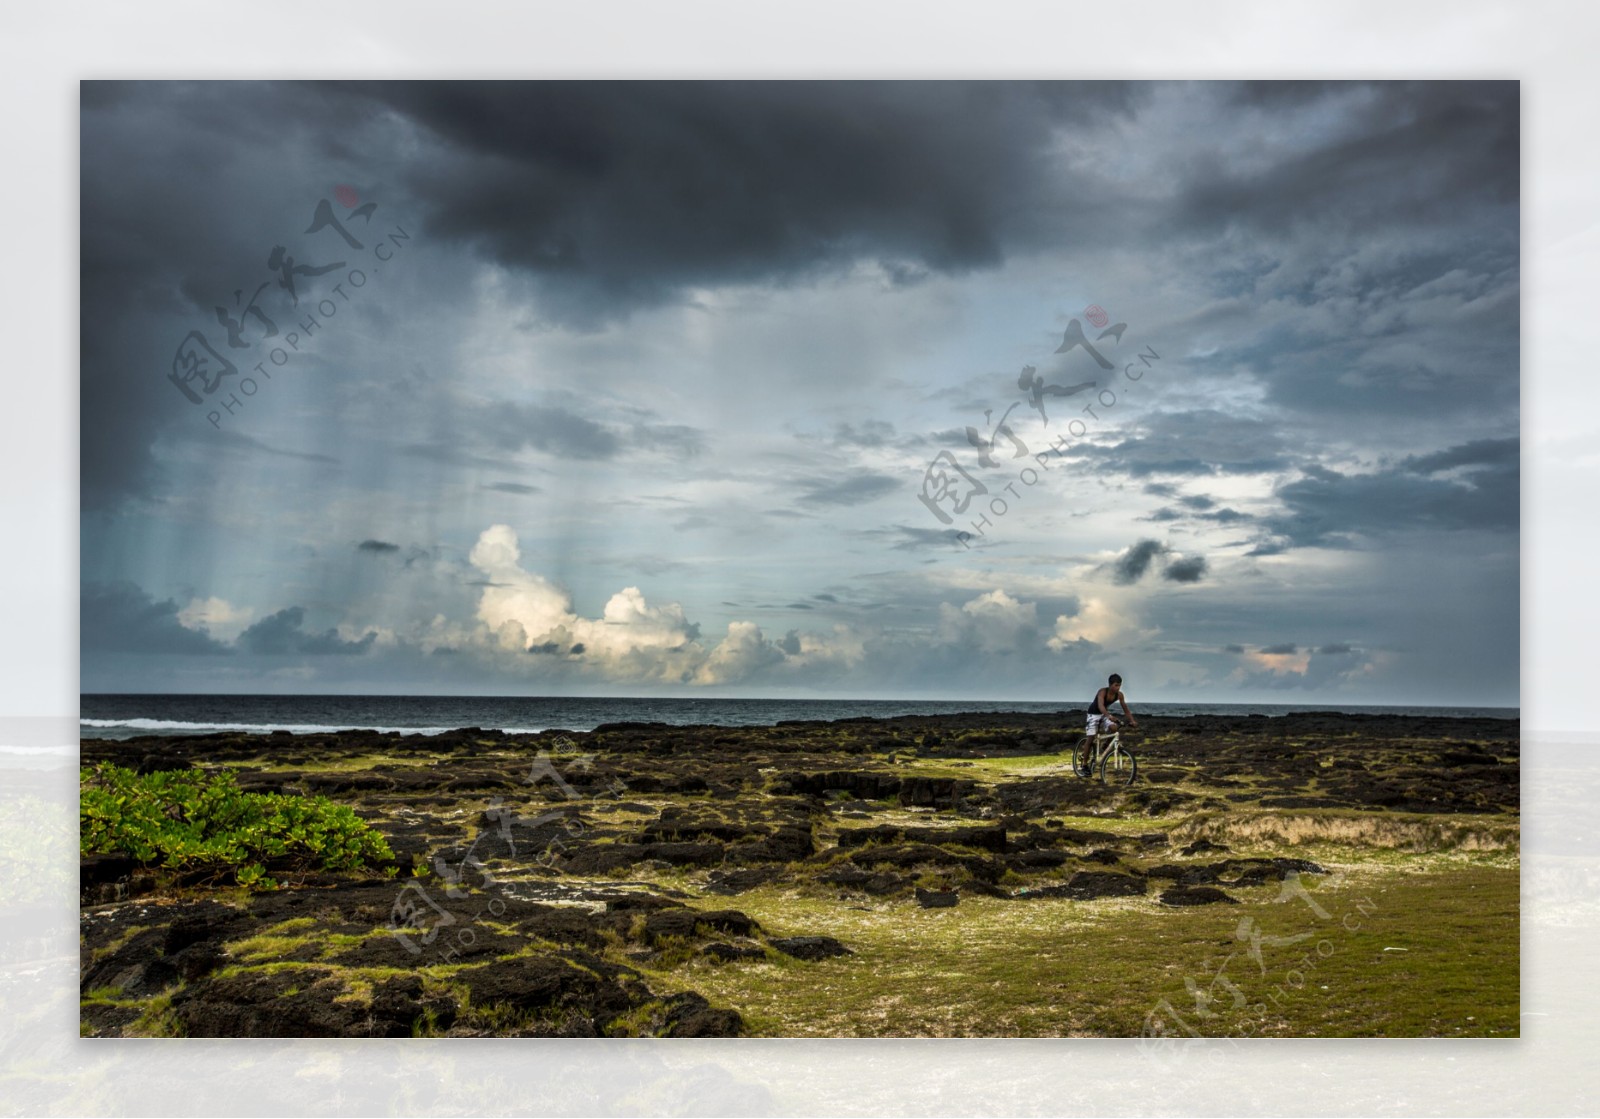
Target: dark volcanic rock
878	884
687	922
1086	885
159	957
860	785
103	879
599	858
95	870
156	763
1195	895
690	1015
550	983
665	783
1036	860
907	855
938	899
287	1003
934	792
387	951
983	838
786	844
1245	872
1255	872
738	881
1187	874
685	854
640	903
744	808
809	947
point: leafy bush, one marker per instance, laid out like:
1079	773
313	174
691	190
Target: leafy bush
204	824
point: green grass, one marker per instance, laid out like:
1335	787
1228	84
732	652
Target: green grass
1057	967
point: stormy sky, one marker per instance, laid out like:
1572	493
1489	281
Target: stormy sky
691	388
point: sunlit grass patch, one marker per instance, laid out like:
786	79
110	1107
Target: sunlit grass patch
1056	967
1354	828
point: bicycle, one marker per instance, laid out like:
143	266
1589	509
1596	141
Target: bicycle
1105	753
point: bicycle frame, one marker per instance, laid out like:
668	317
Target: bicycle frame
1113	748
1103	752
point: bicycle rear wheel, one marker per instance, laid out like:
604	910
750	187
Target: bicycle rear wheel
1119	768
1083	757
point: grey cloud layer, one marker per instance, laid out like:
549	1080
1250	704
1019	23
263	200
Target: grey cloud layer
703	338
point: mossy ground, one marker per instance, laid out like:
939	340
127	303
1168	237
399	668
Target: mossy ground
1412	945
1414	933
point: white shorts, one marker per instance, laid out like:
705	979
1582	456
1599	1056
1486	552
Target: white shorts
1097	723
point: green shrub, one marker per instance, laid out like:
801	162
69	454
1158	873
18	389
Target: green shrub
204	824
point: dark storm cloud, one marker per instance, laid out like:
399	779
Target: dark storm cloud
179	207
1196	506
1280	94
610	196
1402	153
1502	454
377	547
1233	648
280	635
512	487
1330	509
1188	570
1279	650
1132	564
624	194
122	618
1337	649
1192	443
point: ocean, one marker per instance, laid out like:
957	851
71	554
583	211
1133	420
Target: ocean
128	716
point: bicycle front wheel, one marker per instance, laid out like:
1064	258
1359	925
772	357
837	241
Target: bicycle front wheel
1083	757
1119	768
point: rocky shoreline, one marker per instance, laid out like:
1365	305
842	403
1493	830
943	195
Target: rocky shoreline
573	884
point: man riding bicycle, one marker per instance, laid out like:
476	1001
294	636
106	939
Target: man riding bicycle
1099	712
